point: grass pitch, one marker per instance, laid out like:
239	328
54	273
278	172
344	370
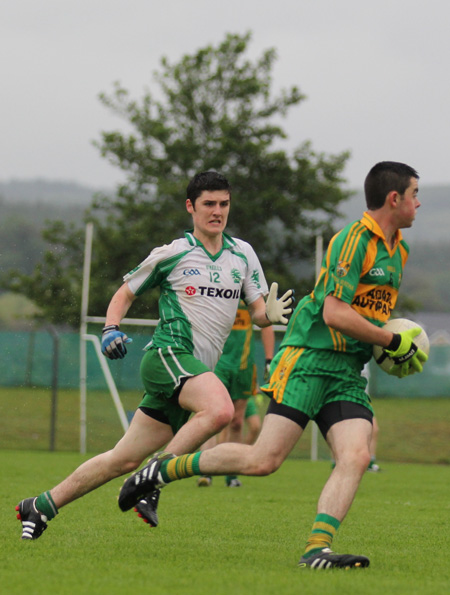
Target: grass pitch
411	430
219	540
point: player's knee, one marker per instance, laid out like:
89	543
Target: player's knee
129	466
222	417
362	459
357	459
120	466
365	460
267	465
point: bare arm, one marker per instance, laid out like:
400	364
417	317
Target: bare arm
258	313
119	305
342	317
268	341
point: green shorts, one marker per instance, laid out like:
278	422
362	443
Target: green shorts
239	383
251	409
307	379
163	372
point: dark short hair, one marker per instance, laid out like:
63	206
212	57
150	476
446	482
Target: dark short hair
384	177
206	180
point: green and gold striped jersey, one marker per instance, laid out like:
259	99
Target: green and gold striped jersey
362	270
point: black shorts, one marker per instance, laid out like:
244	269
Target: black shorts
329	415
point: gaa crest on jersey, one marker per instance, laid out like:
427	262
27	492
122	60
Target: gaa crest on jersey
342	268
189	272
376	272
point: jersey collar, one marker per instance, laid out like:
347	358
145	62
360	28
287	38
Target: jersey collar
371	224
228	243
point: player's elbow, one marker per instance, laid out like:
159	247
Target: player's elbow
332	312
330	318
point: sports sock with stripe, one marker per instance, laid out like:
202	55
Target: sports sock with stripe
322	534
44	503
180	467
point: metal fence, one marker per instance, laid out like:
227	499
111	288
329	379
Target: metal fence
43	358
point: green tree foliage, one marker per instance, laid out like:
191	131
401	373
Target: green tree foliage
21	226
212	110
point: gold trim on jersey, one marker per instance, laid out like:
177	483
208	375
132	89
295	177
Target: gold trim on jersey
246	349
339	341
404	255
338	291
373	226
371	254
280	375
351	242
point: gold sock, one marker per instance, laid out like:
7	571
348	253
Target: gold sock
322	534
181	467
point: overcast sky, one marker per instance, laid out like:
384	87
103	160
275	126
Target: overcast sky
376	76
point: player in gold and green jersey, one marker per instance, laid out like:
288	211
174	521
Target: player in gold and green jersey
360	269
317	372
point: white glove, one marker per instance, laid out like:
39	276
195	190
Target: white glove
277	308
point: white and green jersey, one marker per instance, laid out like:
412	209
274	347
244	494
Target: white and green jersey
199	292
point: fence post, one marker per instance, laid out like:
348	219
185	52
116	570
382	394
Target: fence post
30	355
54	403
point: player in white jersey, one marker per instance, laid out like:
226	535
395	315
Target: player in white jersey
201	278
201	293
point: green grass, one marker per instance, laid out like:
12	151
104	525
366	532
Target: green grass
25	419
414	430
223	541
411	430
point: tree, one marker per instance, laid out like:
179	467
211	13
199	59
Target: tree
215	110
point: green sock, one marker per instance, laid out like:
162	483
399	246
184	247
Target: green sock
180	467
45	504
322	533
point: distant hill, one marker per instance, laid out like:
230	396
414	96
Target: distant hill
432	222
431	226
22	246
55	192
